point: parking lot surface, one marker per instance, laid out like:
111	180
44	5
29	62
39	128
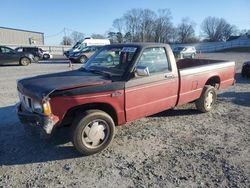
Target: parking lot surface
176	148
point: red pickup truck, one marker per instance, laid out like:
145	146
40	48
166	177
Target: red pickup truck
140	80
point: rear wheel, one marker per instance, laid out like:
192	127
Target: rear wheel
92	132
24	61
36	59
206	102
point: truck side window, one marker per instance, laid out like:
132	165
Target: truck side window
155	59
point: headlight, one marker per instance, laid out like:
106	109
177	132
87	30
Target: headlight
41	108
37	107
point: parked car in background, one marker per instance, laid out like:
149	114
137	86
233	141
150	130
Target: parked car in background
245	71
184	52
83	55
35	51
8	55
46	54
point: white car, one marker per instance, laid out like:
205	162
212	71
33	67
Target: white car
46	54
184	52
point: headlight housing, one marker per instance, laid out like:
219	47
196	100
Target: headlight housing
43	108
37	107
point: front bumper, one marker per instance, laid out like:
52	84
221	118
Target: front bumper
33	119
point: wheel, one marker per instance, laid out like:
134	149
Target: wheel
92	132
110	59
24	61
83	59
192	56
46	56
243	74
36	59
206	102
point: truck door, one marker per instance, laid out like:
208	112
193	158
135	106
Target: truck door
147	95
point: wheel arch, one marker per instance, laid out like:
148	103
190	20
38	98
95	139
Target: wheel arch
75	111
214	81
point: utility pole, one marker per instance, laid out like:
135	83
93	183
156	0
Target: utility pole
66	42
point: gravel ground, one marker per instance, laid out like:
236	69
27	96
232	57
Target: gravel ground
175	148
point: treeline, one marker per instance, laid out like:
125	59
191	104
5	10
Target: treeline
145	25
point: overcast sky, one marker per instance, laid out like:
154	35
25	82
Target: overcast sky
96	16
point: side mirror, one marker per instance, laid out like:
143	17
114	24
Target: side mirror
142	70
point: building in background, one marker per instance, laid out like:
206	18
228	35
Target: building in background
10	36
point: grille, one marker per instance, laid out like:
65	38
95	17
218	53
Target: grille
25	101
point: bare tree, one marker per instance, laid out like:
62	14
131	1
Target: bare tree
76	36
66	41
217	29
185	31
146	27
119	37
119	24
132	23
127	37
112	36
97	36
173	35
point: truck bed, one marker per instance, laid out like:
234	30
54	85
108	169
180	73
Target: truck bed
195	73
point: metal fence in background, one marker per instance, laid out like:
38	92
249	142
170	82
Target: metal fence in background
217	46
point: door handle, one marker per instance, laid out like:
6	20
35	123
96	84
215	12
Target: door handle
169	76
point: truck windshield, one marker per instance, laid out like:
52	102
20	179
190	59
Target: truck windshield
77	45
113	60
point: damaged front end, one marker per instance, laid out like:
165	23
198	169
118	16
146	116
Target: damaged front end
36	113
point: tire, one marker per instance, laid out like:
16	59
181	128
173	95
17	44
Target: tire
24	61
207	100
92	132
83	59
36	59
243	74
46	56
192	56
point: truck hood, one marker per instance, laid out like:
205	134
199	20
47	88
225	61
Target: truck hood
42	86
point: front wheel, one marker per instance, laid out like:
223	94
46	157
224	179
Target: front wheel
24	61
46	56
206	102
83	59
92	132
